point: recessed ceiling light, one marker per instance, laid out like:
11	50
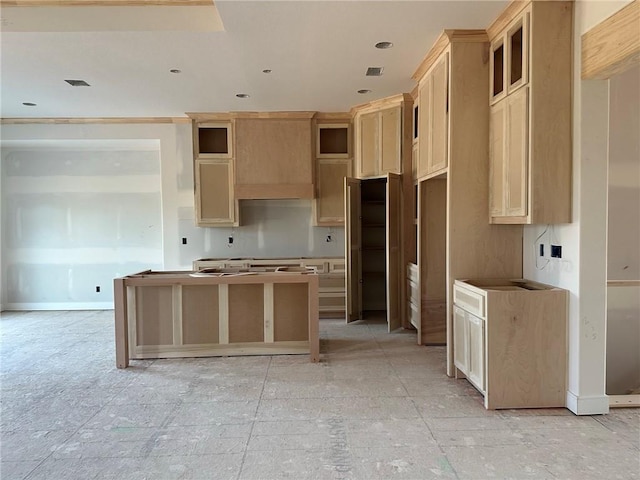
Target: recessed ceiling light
29	104
374	71
363	91
77	83
266	70
383	45
175	70
242	95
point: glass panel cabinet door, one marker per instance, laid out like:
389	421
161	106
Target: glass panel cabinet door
518	57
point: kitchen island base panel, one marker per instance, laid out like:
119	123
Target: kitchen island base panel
178	314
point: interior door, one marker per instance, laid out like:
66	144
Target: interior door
393	222
353	245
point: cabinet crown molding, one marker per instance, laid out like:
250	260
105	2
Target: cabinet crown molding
206	116
447	37
334	116
381	103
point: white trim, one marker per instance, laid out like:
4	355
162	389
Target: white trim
587	405
59	306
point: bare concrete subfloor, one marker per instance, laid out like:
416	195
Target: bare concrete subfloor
376	407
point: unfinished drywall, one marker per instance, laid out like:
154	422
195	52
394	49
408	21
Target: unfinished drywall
623	241
623	262
75	215
269	229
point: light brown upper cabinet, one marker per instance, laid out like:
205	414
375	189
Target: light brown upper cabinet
510	58
213	140
214	172
530	96
509	156
383	136
433	122
333	140
333	165
274	155
215	203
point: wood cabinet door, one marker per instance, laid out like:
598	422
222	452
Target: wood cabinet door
329	202
215	204
475	329
497	70
517	159
424	126
497	153
273	158
517	64
438	159
353	249
368	143
394	270
390	137
460	339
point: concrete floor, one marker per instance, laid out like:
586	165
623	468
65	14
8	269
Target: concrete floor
376	407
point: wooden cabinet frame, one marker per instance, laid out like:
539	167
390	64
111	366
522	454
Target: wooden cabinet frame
222	125
210	195
333	126
537	123
153	315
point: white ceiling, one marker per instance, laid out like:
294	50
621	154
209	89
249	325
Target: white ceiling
318	52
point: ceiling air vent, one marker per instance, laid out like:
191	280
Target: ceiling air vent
374	71
77	83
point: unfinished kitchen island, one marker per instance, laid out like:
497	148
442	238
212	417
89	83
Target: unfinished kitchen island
194	314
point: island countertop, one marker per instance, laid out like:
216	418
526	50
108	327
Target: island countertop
216	313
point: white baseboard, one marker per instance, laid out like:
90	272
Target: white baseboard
588	405
60	306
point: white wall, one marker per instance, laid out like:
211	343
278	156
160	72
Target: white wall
582	270
269	228
76	214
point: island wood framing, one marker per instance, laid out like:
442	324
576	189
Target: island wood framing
181	314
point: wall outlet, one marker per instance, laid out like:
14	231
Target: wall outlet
541	249
184	240
556	251
329	239
230	241
97	288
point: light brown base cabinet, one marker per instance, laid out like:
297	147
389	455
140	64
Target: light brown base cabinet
510	341
187	314
331	276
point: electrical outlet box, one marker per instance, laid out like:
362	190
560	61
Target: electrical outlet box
97	288
230	240
184	240
556	251
542	249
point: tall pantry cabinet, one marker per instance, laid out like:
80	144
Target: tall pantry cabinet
454	237
377	213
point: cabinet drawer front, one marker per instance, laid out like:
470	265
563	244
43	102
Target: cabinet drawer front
470	301
337	266
320	267
329	282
